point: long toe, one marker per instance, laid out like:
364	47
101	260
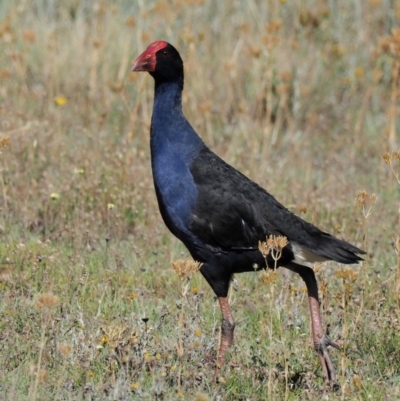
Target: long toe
326	362
326	341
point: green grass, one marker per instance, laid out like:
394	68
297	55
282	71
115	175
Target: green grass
297	95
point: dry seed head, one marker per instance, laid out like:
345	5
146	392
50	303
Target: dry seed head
254	51
357	382
263	248
4	141
46	301
269	276
303	209
114	335
5	73
29	35
361	198
272	243
130	22
346	274
186	268
273	26
65	349
387	157
277	242
43	375
396	155
391	44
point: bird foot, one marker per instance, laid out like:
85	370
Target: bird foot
324	342
329	371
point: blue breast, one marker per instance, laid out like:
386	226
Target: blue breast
174	145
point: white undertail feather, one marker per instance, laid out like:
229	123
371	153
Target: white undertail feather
303	254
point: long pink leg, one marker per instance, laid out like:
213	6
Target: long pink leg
227	328
320	339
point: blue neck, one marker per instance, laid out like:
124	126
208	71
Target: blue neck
170	131
168	99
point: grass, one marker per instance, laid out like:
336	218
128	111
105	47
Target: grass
300	96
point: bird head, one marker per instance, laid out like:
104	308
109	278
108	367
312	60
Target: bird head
162	61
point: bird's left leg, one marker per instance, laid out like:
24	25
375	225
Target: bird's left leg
227	329
219	280
320	339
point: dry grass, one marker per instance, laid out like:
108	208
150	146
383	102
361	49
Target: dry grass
301	96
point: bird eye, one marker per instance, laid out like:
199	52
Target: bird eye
165	53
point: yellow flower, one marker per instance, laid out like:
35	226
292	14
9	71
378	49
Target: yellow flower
79	171
359	72
110	206
54	196
135	386
60	100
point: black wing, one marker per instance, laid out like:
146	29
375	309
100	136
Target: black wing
233	212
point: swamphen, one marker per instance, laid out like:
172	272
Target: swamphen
220	214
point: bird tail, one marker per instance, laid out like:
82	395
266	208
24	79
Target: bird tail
338	250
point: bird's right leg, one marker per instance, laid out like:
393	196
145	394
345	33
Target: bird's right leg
320	339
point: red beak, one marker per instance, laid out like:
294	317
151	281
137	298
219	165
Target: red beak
147	60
